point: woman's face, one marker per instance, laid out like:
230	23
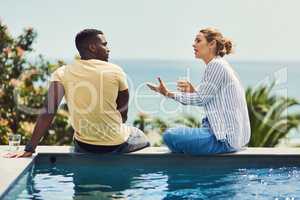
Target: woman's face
201	46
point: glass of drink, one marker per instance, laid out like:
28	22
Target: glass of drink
182	79
14	142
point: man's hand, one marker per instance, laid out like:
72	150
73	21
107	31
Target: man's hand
185	86
17	154
161	88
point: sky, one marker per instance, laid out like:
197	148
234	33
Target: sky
262	30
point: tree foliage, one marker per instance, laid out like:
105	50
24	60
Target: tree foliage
23	90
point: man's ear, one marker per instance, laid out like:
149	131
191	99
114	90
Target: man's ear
92	47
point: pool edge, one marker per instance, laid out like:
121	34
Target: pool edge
9	185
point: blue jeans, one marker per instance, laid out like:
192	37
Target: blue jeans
195	141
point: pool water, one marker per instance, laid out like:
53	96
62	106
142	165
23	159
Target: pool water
159	177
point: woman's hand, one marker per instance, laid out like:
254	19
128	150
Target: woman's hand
161	88
21	154
185	86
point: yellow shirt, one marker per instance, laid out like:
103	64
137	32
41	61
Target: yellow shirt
91	90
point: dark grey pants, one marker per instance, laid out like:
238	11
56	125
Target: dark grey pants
137	140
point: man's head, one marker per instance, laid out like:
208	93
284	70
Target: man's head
92	44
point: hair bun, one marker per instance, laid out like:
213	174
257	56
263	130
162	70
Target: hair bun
228	46
224	46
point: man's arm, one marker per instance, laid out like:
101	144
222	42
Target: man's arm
52	102
122	103
54	97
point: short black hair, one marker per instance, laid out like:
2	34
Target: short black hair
84	37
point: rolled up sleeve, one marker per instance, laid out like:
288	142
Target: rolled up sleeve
58	75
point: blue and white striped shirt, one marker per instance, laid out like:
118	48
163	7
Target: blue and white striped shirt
223	98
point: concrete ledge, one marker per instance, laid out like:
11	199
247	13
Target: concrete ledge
246	151
11	168
165	150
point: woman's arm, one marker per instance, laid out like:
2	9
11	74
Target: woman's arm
211	83
212	80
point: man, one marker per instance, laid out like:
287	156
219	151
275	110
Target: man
97	95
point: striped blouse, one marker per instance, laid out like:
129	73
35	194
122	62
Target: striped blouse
223	98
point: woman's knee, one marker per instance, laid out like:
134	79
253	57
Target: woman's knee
169	138
167	135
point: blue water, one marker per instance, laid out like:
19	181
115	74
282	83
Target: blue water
251	74
160	178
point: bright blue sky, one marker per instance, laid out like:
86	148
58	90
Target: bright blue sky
165	29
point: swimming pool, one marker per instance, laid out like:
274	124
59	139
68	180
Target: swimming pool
71	176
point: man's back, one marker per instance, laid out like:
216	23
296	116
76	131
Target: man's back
91	91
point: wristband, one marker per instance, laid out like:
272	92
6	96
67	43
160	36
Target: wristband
29	148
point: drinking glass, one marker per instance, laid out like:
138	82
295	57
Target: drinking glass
14	142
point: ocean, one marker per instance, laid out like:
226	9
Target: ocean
252	74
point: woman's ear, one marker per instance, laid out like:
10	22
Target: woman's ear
212	44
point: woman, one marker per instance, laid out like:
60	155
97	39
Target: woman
226	127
